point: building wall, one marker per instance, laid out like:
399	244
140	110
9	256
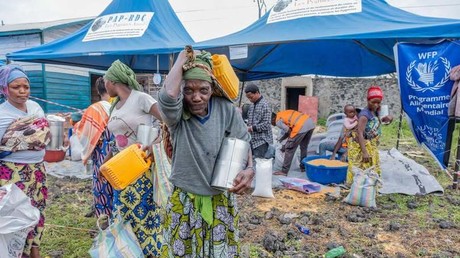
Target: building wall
13	43
334	93
61	32
66	85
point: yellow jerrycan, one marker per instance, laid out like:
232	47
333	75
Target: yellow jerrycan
126	167
225	75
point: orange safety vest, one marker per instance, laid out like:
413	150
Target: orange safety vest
293	119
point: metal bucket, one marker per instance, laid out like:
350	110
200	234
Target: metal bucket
57	135
146	134
232	158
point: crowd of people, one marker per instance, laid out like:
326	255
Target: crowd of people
199	220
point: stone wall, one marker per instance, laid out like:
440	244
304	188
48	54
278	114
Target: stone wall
334	93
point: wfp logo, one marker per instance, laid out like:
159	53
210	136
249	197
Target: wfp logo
430	73
433	137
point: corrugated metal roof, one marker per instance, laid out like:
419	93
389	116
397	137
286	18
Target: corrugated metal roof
10	29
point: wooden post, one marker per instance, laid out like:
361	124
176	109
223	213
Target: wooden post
457	164
399	127
241	94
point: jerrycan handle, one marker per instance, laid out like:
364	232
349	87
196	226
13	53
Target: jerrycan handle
147	158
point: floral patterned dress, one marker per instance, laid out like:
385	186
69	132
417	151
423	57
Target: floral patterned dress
372	132
186	233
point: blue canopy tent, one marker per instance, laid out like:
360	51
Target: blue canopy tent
141	33
352	44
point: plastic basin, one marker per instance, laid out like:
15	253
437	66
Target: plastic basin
323	174
54	155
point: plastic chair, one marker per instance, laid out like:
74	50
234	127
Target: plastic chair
313	145
335	126
334	117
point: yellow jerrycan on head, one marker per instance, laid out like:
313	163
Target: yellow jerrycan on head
126	167
225	75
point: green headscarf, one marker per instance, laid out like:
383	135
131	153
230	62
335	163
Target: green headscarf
121	73
198	73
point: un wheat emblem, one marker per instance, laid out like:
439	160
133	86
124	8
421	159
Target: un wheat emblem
426	72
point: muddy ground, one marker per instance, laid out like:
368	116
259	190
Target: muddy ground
400	226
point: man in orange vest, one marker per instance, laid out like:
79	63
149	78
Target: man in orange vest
299	129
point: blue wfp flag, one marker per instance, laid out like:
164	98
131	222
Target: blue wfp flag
423	75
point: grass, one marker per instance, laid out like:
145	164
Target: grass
68	233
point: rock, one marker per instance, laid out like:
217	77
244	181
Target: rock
269	242
292	234
394	226
370	234
251	226
343	232
400	255
243	232
275	211
284	220
453	200
389	206
372	252
304	220
332	245
316	220
56	196
353	217
392	198
245	250
268	215
254	219
330	198
291	215
445	224
56	254
412	204
91	212
442	254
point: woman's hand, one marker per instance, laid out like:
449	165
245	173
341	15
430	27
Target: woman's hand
344	157
242	181
387	119
148	149
366	157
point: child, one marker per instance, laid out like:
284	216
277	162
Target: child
351	120
350	124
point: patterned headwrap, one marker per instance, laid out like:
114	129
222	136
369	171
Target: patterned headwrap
9	73
199	67
118	72
374	92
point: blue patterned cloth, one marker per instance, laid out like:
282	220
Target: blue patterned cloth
136	205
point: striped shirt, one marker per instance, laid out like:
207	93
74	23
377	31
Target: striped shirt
259	117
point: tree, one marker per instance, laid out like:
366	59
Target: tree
261	6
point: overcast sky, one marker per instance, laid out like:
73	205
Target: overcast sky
204	19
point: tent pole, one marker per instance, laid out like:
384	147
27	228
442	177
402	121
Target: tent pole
457	164
241	94
399	127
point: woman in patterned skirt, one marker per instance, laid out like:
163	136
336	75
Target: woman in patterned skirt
131	108
362	146
95	137
23	167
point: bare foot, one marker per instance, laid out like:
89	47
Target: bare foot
279	173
